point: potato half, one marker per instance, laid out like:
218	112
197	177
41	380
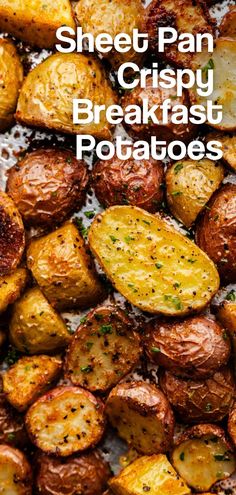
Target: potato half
232	424
11	78
66	420
15	472
226	313
12	427
12	235
49	89
228	142
142	416
155	267
11	287
203	456
228	23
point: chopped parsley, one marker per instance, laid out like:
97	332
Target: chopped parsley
105	329
158	265
178	167
86	369
231	296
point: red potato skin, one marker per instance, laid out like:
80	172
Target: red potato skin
12	235
24	472
12	428
232	424
199	431
47	185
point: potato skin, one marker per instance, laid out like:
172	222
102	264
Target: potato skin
19	474
12	428
194	347
232	424
199	401
12	235
87	473
136	182
47	185
228	23
11	287
11	78
226	313
215	233
46	97
228	142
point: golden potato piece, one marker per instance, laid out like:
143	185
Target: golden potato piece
203	456
35	327
12	427
152	474
11	287
155	267
15	472
12	235
190	184
66	420
35	21
142	416
63	269
226	313
228	23
232	424
11	77
112	17
49	89
228	142
26	380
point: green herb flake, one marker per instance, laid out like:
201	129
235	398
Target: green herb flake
222	457
155	349
231	296
11	436
89	345
178	167
113	238
128	239
175	300
210	65
105	329
181	456
89	214
83	320
176	193
68	159
208	407
131	286
147	222
86	369
158	265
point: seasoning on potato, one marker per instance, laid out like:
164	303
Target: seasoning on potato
228	23
66	420
47	185
12	235
150	263
15	472
11	78
11	287
228	142
12	427
232	424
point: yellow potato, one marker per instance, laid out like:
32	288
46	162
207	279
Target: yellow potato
190	184
155	267
63	269
12	235
15	472
49	89
226	313
228	142
35	21
11	77
11	287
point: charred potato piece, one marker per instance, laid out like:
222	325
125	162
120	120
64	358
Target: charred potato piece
228	142
65	420
194	347
232	424
198	401
26	380
86	474
103	349
136	182
64	270
152	474
202	456
167	132
153	266
15	472
226	313
46	96
216	231
47	185
11	287
12	428
35	327
112	17
12	235
11	78
190	185
184	16
142	416
228	24
35	22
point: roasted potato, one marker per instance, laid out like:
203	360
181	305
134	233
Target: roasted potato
65	420
153	474
226	313
15	472
202	400
216	231
64	270
11	287
11	77
37	22
194	347
47	185
48	91
142	416
190	184
12	428
202	456
228	142
155	267
12	235
135	182
29	378
35	327
103	349
112	17
167	132
228	23
185	16
232	424
86	474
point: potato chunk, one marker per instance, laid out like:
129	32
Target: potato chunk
65	420
11	287
12	427
155	267
35	327
26	380
228	23
15	472
226	313
11	77
232	424
64	270
152	474
142	415
48	91
12	235
190	185
203	456
35	21
228	142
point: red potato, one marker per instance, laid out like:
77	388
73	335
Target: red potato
15	472
232	424
12	235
